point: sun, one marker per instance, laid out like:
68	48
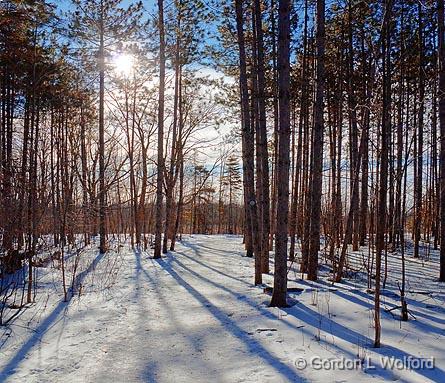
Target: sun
123	64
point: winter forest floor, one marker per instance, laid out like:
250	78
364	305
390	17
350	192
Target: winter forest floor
194	316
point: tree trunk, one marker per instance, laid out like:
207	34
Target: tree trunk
248	145
264	201
383	181
280	274
440	4
317	149
160	165
102	192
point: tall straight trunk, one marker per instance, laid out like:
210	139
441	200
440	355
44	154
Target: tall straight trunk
255	124
353	126
367	87
303	102
171	176
136	216
350	218
317	148
418	188
264	201
7	165
383	174
280	274
434	160
180	171
179	206
399	156
220	198
440	9
273	209
102	192
84	177
130	148
248	145
160	165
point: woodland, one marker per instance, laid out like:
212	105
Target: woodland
173	171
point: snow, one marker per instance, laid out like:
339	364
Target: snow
194	316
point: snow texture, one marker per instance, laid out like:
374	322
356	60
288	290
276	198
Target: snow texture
194	316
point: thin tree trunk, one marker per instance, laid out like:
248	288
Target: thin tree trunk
160	165
102	192
383	181
248	145
317	149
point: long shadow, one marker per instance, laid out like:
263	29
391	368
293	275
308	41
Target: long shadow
369	305
198	247
214	269
334	327
263	311
252	304
367	301
165	303
309	316
224	288
253	345
306	314
363	299
44	326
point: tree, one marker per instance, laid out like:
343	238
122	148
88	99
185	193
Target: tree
247	146
315	190
383	186
160	164
280	275
441	55
263	168
232	180
102	24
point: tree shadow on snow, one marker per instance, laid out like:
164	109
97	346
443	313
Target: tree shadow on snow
336	329
45	326
254	346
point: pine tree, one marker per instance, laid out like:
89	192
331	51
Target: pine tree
441	55
232	180
160	149
102	24
280	274
315	190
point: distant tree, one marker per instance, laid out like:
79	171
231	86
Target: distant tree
232	180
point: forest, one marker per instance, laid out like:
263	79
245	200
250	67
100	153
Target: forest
222	190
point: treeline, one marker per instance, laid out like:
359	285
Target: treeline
78	124
350	96
339	112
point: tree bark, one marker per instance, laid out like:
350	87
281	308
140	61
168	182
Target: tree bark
248	146
383	181
280	274
160	165
317	149
441	92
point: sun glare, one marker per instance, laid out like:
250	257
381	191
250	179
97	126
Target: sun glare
123	64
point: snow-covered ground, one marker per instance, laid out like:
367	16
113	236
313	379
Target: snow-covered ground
194	316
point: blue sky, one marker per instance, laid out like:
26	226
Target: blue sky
65	4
